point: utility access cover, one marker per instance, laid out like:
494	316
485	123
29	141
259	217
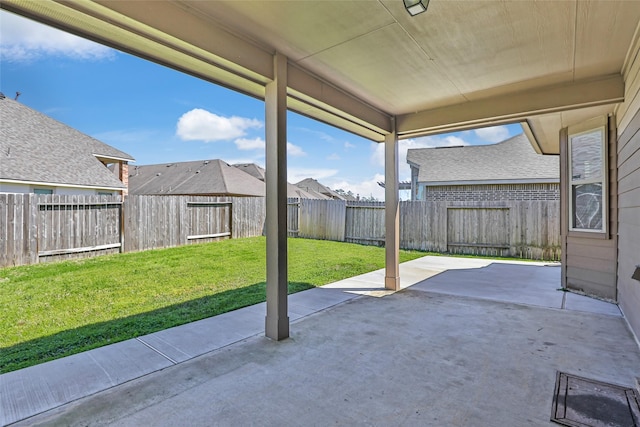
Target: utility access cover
581	402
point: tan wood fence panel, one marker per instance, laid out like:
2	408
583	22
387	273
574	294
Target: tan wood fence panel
248	216
209	220
38	228
478	231
293	216
322	219
422	227
34	228
364	223
18	230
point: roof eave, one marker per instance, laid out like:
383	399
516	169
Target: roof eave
492	182
59	184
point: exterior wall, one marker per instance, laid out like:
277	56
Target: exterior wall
588	259
14	188
491	192
628	185
121	171
414	183
67	191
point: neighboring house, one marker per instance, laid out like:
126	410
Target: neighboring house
200	177
313	186
508	170
41	155
292	191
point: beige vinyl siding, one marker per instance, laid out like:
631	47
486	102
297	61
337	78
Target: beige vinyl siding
628	188
589	259
629	218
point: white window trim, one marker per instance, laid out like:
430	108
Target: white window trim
597	124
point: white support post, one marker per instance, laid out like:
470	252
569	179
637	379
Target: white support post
392	212
277	319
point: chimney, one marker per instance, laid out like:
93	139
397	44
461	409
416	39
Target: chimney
123	175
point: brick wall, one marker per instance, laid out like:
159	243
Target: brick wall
123	175
493	192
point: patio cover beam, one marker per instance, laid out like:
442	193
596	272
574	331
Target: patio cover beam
202	48
513	107
277	320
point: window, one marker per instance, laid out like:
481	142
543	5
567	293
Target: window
42	191
588	180
104	193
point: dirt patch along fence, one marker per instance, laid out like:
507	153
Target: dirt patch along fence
39	228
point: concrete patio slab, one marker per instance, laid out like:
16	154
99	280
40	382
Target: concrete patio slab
412	358
584	303
187	341
525	284
29	391
319	298
371	340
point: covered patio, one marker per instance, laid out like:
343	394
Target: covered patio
465	342
439	352
562	69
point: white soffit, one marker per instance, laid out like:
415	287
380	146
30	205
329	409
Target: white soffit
545	128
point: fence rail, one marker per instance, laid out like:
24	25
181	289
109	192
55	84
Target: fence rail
39	228
525	229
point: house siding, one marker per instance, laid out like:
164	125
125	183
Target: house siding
628	188
589	260
491	192
65	191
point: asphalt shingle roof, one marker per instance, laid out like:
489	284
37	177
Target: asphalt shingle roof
511	160
37	148
313	186
292	191
203	177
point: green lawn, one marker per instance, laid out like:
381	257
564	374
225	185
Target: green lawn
53	310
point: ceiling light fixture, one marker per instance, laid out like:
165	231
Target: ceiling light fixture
415	7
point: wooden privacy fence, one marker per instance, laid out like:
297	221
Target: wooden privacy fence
525	229
37	228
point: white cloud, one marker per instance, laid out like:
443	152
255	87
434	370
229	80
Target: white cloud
493	134
298	174
377	156
201	125
318	134
259	144
294	150
23	40
250	144
365	188
333	156
348	145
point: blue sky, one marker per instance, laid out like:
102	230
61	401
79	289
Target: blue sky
159	115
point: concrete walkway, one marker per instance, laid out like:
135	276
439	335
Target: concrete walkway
470	342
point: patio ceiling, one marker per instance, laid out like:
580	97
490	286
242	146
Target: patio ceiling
359	64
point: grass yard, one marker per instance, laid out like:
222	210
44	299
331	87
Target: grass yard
48	311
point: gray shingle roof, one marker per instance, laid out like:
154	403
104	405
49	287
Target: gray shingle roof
511	160
37	148
312	185
204	177
292	191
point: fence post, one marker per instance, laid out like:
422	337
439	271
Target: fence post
122	222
